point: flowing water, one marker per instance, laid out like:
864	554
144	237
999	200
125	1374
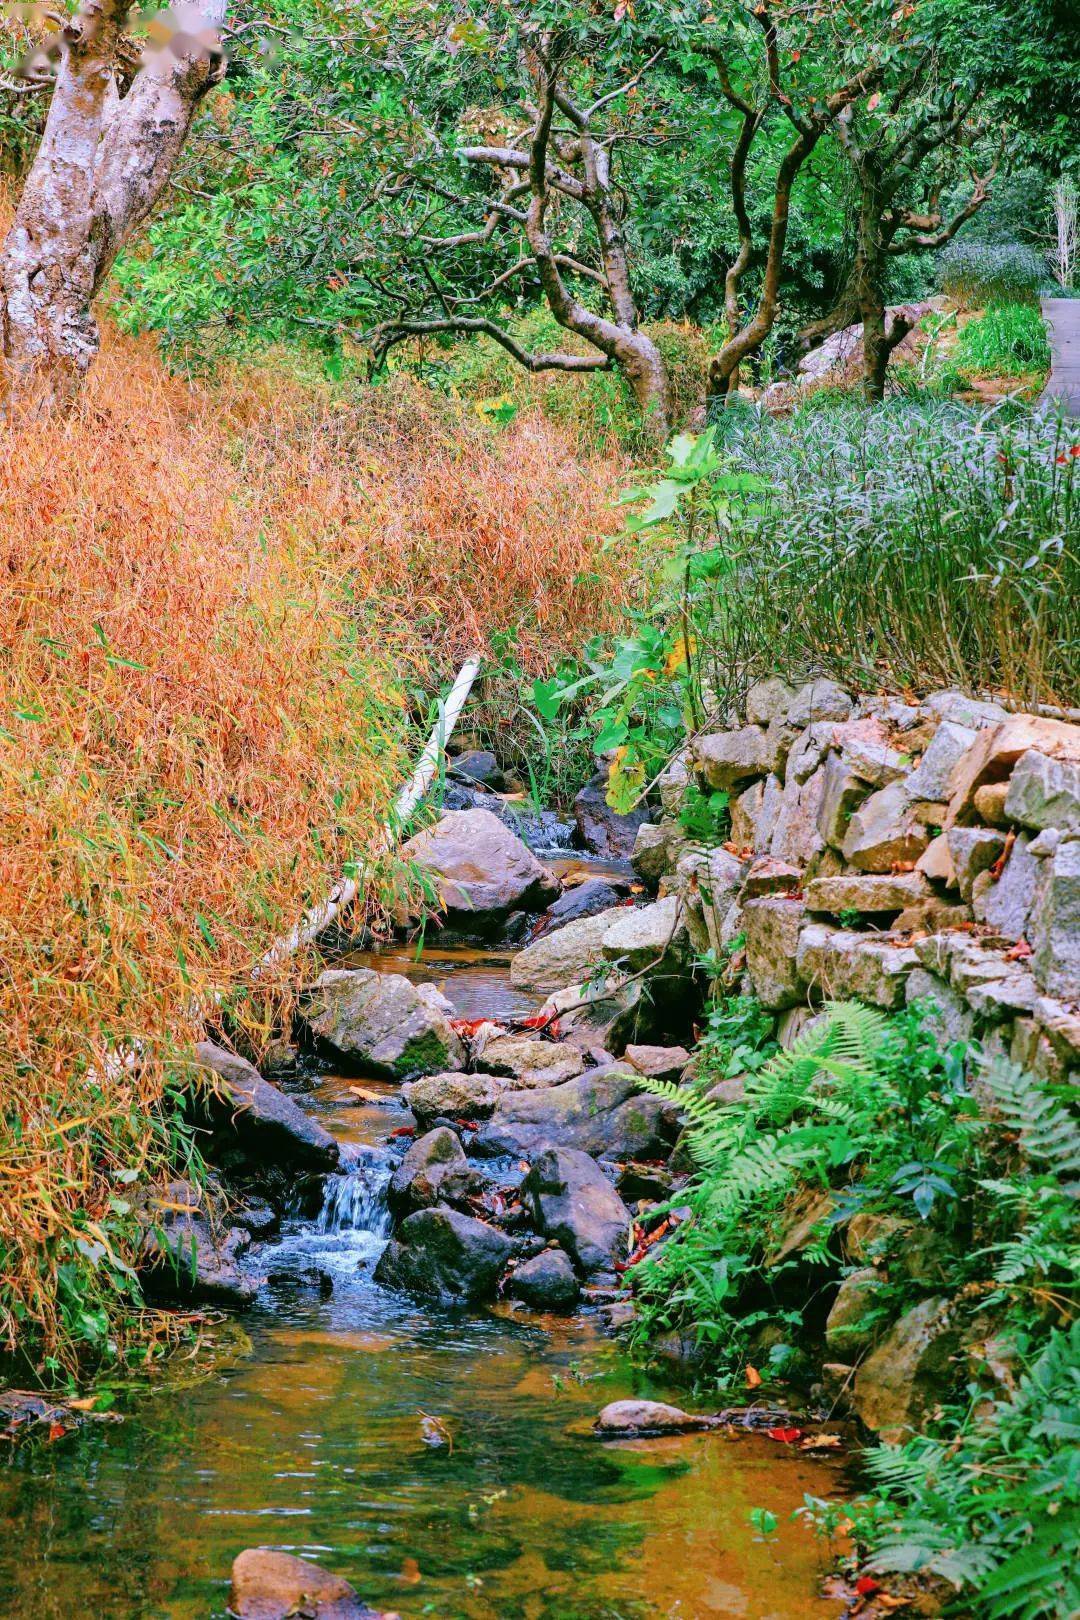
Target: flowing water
440	1460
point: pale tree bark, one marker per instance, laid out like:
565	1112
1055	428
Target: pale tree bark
104	159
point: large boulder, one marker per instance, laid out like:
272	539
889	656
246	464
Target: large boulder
883	833
725	759
546	1282
272	1585
839	963
621	1419
601	1112
268	1125
996	750
909	1372
602	830
1044	792
772	927
1055	924
585	900
189	1252
870	893
441	1254
433	1171
526	1061
571	1200
645	936
452	1095
604	1018
566	957
481	870
819	699
851	1326
382	1024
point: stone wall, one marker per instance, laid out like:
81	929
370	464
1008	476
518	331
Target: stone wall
890	851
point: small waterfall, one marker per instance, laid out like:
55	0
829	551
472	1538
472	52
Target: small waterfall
355	1199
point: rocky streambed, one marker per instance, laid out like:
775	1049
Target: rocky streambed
425	1222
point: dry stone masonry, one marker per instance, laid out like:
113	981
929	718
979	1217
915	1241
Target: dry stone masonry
891	852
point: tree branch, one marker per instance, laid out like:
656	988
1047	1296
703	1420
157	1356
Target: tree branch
385	337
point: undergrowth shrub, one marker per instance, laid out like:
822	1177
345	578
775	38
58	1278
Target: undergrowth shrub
218	607
977	273
1009	340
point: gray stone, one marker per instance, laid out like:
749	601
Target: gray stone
796	837
1005	904
623	1418
433	1171
565	957
658	1062
1045	843
770	876
188	1252
961	710
1060	1026
936	863
997	1001
642	936
995	752
603	1014
973	850
727	758
846	1331
882	832
1055	925
441	1254
930	779
651	857
772	797
672	782
808	751
819	700
602	1112
477	765
1044	792
480	868
768	700
381	1023
571	1200
745	808
772	930
950	1018
601	829
583	900
871	893
841	964
989	803
842	793
517	1057
907	1374
272	1585
268	1124
450	1096
546	1282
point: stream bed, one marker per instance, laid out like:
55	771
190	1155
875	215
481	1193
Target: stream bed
441	1461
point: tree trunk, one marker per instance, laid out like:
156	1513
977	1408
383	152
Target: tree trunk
642	364
103	161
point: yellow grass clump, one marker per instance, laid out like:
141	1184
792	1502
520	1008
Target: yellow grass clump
211	599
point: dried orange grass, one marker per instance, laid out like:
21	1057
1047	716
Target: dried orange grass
209	597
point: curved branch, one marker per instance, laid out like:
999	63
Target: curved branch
385	337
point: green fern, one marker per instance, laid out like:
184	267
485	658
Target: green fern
1048	1133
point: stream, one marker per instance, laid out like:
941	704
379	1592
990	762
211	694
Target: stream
440	1460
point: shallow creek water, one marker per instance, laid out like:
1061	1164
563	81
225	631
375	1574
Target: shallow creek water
316	1444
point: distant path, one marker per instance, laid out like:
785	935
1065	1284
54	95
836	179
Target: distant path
1063	319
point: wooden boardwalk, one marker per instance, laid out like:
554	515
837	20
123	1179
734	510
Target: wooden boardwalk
1063	319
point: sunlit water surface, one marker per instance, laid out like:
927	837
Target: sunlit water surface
318	1444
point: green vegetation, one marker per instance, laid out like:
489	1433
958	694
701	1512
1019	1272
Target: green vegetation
976	273
1009	340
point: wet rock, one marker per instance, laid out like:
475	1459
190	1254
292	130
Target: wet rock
869	893
441	1254
571	1200
584	900
257	1217
546	1283
1055	925
642	936
727	758
622	1419
772	928
478	765
601	1113
768	700
189	1252
565	957
271	1585
847	1331
883	833
601	829
819	700
267	1124
481	869
930	779
452	1095
382	1024
972	850
909	1372
840	964
433	1171
659	1062
603	1016
996	751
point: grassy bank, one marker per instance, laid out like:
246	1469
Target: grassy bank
221	608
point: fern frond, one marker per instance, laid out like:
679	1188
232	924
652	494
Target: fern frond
1048	1132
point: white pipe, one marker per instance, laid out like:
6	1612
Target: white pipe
344	893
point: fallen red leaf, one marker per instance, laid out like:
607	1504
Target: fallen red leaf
404	1130
786	1436
57	1431
867	1584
